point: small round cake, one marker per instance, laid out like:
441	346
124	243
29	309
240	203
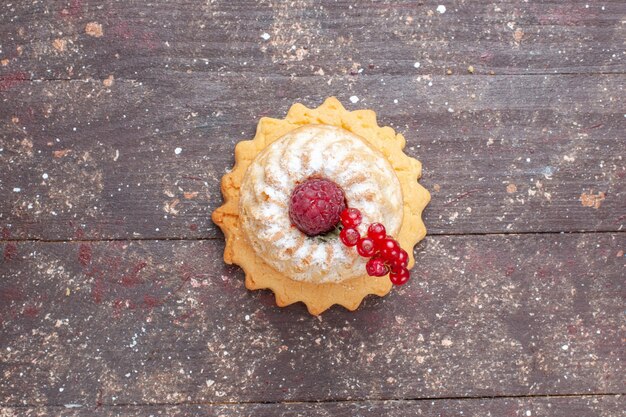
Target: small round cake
323	207
332	155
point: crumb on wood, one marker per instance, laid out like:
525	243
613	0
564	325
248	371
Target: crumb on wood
592	200
4	62
511	188
61	153
27	146
94	29
518	35
301	53
170	206
108	82
59	44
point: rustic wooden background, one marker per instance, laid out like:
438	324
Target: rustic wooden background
118	118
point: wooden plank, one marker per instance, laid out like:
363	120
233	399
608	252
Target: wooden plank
148	322
501	154
588	406
87	38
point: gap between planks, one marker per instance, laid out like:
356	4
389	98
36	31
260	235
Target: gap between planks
229	73
194	239
329	401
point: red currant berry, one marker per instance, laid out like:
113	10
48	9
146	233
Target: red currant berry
399	276
351	218
391	255
386	246
366	247
376	267
402	259
349	236
376	232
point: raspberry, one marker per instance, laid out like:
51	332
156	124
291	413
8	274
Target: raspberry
315	206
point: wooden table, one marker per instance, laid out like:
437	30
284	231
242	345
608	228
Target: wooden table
118	119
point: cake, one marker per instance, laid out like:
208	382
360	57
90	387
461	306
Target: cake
304	198
315	151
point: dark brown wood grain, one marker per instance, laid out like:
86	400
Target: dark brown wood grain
501	154
118	119
588	406
131	39
167	322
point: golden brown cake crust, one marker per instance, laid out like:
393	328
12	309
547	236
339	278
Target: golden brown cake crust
319	297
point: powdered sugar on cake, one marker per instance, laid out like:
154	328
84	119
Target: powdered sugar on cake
366	177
